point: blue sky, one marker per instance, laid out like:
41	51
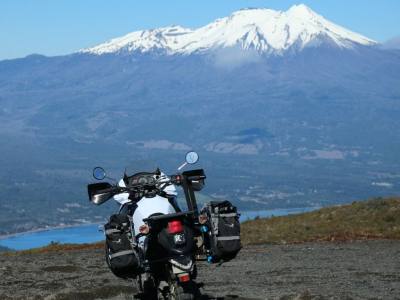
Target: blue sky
54	27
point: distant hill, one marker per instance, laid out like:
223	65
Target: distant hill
372	219
304	115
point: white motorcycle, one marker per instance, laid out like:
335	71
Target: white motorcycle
159	245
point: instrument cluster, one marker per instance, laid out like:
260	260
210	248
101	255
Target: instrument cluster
143	180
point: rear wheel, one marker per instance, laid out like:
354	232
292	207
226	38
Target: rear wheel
183	291
148	288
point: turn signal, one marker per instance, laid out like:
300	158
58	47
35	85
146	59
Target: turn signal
175	227
203	219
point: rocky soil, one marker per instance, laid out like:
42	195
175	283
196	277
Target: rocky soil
351	270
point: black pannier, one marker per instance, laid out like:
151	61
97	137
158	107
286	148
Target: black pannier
121	256
222	240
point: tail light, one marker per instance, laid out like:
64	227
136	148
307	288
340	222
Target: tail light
175	227
185	277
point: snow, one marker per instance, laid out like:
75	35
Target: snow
264	30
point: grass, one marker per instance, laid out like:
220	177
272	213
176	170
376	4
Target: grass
56	247
373	219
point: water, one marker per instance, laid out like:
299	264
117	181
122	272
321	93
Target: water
250	215
90	233
77	235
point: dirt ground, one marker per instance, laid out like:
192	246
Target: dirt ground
351	270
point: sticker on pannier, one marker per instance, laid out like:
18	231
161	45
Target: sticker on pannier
121	256
222	240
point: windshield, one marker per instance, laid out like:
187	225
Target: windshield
140	165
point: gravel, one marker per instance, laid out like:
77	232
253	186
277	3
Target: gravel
351	270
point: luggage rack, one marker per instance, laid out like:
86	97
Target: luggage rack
169	216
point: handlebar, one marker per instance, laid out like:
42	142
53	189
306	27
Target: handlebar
143	189
191	181
166	180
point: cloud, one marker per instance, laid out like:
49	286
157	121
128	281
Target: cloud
233	57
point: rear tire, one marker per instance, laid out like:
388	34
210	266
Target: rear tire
183	291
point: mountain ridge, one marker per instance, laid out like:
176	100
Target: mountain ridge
264	30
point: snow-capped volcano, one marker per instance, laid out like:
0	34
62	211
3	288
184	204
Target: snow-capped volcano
264	30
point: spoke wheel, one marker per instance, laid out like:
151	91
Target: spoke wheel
182	291
150	290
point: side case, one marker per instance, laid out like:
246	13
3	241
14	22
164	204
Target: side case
222	240
121	256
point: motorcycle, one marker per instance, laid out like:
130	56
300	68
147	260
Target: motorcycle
165	239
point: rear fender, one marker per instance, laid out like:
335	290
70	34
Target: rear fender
167	241
159	226
183	264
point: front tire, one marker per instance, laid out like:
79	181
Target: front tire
150	289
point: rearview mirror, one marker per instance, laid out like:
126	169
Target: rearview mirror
192	157
99	173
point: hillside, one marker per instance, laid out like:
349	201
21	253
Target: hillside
373	219
377	218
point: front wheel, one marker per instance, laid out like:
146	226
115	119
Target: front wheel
150	290
183	291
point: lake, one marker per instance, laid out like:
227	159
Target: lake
90	233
